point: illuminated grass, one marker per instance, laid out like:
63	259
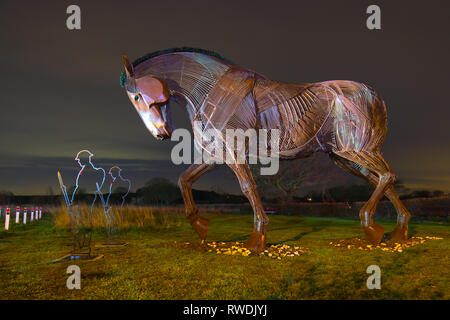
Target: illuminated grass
152	268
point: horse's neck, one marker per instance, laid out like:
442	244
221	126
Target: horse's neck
188	96
184	102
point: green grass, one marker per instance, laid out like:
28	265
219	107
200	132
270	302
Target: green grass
146	271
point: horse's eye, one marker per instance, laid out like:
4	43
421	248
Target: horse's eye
136	97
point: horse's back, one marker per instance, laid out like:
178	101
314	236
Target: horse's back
310	117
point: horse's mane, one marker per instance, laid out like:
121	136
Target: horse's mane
148	56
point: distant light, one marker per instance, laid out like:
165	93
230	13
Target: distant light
309	199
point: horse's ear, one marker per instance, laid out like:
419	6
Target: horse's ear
128	66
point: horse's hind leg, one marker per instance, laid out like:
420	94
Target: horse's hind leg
400	232
185	181
374	162
257	240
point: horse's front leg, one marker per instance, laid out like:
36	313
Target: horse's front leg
257	240
185	181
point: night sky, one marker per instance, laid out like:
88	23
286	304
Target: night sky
60	89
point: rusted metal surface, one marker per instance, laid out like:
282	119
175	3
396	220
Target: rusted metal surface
345	119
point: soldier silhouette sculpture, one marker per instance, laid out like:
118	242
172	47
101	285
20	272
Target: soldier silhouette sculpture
119	188
81	225
345	119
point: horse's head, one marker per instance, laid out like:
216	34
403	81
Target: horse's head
150	97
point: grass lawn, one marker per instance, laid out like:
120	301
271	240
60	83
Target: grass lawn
146	270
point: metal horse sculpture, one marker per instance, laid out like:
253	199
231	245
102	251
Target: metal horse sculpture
345	119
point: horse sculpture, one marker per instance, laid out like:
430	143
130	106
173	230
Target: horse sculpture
345	119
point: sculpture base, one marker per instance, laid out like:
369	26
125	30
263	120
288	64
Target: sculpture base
79	256
112	244
274	251
387	246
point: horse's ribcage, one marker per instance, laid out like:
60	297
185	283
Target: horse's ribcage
297	110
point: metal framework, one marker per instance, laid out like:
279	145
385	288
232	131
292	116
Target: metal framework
345	119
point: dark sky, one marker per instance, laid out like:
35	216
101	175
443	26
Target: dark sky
60	89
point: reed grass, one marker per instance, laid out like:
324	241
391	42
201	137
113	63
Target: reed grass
132	216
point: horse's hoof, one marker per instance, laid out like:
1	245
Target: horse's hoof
201	226
374	233
400	233
256	242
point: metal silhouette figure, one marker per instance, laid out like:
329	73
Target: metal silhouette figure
81	231
114	217
344	119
